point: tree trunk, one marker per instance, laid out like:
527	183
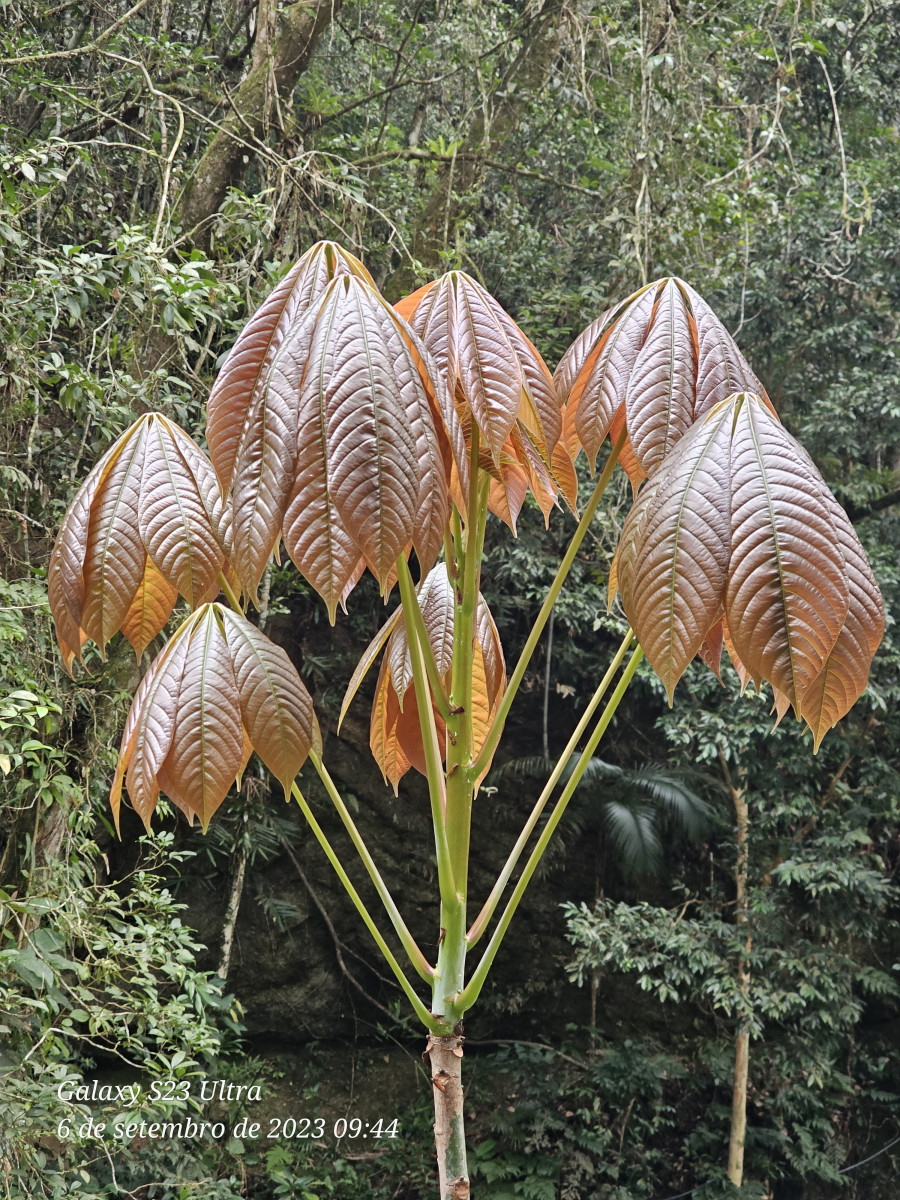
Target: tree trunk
742	1039
445	1055
488	132
282	65
231	913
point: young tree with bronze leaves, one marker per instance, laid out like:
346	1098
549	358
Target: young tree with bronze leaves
360	435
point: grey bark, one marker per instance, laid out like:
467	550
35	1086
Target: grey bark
273	77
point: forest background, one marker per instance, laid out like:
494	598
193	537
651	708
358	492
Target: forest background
161	165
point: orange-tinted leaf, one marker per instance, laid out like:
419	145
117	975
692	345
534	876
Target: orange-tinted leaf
600	387
243	376
627	458
383	739
113	553
153	493
150	608
150	726
711	648
65	576
276	709
742	673
180	505
659	400
659	361
370	653
217	683
487	639
673	585
845	674
787	593
155	703
587	343
346	451
565	475
395	733
266	465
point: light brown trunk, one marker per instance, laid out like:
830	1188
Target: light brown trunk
742	1039
231	913
444	1055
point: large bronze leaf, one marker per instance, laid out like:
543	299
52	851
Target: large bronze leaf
787	592
148	522
346	450
843	679
217	689
150	608
495	374
738	519
599	389
658	362
242	378
276	709
674	569
395	736
659	405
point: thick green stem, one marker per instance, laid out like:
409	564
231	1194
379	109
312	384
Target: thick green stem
420	1010
229	593
483	919
473	987
436	783
490	745
450	969
415	614
416	957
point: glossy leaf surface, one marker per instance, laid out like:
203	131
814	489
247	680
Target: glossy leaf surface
347	450
395	736
658	361
242	377
738	523
148	522
500	382
218	688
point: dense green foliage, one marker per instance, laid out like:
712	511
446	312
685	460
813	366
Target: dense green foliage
563	154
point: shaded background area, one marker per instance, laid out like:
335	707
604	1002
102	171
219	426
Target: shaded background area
161	165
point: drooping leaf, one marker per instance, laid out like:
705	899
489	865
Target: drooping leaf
843	679
737	517
206	750
180	506
599	389
152	716
383	740
654	365
348	450
151	606
218	686
152	499
276	709
369	655
677	563
395	734
787	592
658	403
721	370
436	601
497	377
243	375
